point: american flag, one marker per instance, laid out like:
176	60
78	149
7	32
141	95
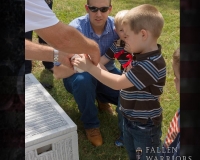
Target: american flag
174	129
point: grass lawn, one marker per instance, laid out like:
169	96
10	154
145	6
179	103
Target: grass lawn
67	10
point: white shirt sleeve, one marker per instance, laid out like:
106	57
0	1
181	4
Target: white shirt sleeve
38	15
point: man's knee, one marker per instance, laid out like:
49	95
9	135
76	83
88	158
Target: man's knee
84	80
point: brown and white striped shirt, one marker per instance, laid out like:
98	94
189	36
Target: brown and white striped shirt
148	75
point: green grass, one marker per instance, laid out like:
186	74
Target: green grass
67	10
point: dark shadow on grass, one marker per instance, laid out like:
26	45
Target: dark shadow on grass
46	79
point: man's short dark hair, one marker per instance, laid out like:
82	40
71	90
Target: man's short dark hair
89	0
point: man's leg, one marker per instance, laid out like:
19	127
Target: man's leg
83	87
28	66
28	63
47	65
106	95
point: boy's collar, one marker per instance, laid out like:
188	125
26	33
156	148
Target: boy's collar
144	56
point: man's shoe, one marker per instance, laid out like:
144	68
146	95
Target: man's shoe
105	107
94	136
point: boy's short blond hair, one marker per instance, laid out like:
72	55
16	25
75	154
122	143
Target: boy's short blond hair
119	17
145	17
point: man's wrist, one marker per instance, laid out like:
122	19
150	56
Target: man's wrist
57	63
56	57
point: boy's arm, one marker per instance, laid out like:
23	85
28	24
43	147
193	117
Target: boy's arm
103	61
114	81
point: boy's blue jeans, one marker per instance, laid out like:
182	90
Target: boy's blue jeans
146	136
85	89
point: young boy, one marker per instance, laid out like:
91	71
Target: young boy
117	51
142	85
173	135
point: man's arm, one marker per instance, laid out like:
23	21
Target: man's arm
34	51
69	40
103	61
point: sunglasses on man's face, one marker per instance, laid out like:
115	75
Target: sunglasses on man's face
95	9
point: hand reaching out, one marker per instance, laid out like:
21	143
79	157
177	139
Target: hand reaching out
83	62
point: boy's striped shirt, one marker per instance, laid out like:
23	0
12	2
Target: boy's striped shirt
148	76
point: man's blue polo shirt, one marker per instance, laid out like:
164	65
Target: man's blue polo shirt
105	40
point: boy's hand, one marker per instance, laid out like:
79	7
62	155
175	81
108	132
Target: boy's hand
83	62
128	67
127	48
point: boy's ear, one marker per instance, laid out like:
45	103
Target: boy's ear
144	34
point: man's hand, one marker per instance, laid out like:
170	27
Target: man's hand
65	59
95	59
62	71
95	54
